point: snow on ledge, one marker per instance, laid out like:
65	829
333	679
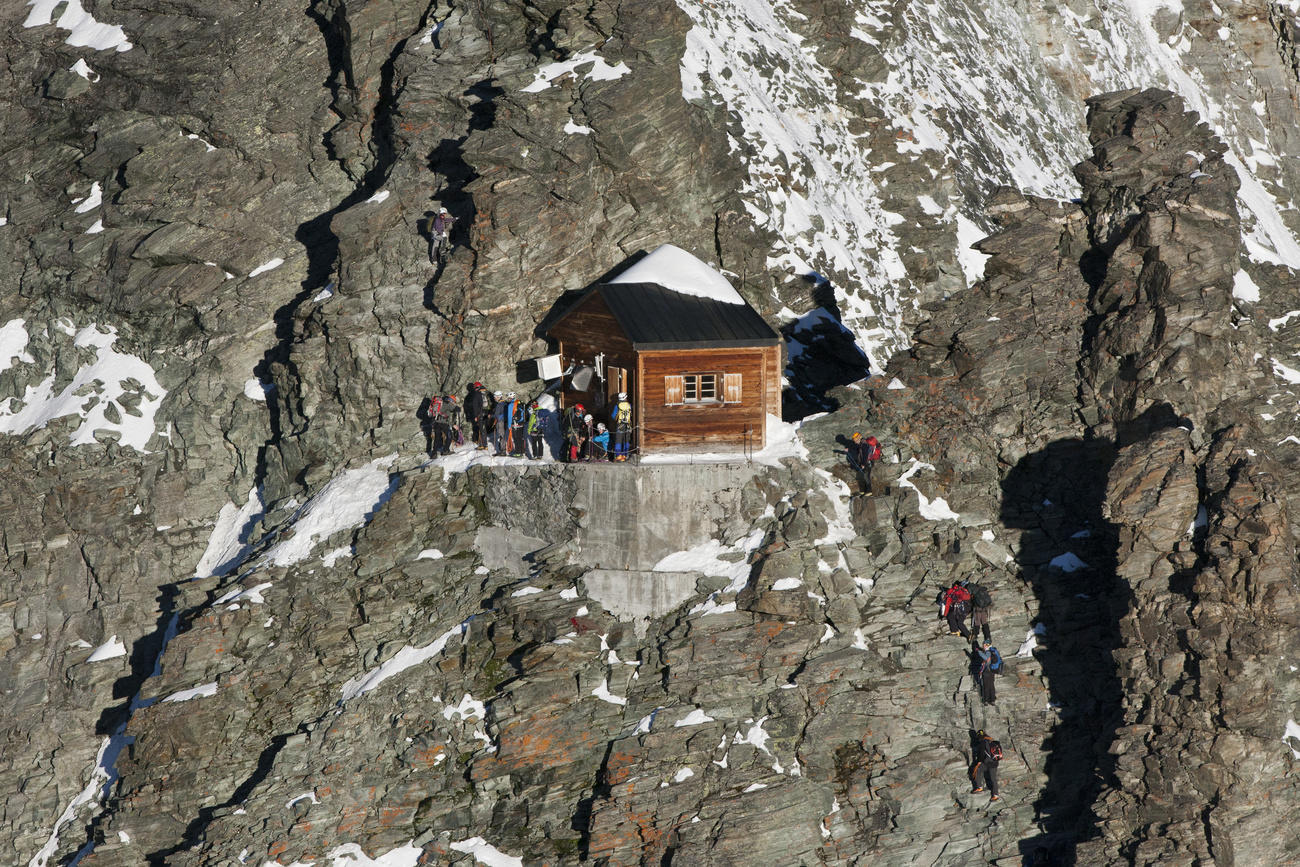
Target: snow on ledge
402	660
673	268
1292	733
485	853
83	29
933	510
268	265
203	690
349	500
111	649
600	70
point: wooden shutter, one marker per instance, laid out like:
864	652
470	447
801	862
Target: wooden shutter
672	390
731	389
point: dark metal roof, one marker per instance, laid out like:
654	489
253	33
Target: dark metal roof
653	317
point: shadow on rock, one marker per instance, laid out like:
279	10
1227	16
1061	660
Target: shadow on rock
1068	557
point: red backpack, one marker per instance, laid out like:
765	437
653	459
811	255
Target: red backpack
958	593
873	449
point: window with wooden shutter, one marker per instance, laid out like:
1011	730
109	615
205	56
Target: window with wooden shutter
731	389
673	390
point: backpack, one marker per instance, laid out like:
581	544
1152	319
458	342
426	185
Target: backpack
623	415
980	596
957	593
995	661
994	749
873	452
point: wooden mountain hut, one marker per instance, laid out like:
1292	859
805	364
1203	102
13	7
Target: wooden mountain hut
702	369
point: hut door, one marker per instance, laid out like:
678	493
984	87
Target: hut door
615	381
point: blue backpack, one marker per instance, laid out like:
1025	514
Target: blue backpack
995	661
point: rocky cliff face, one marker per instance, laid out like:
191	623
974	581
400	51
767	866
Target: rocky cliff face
246	621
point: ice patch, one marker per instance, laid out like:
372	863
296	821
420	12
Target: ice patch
91	201
433	554
378	198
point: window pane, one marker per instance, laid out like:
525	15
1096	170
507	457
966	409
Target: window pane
691	384
708	386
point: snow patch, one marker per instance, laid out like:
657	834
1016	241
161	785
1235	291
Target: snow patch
673	268
486	854
111	649
933	510
694	718
227	544
602	692
83	29
268	265
349	500
600	70
203	690
402	660
114	381
1067	562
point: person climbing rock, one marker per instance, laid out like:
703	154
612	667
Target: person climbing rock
518	418
500	423
573	431
440	237
533	426
600	443
622	418
863	454
955	607
990	667
441	427
988	753
981	604
478	406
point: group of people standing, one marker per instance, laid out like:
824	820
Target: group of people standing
586	439
513	427
961	600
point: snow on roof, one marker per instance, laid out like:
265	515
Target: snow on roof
673	268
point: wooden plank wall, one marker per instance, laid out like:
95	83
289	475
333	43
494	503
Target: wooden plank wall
702	426
588	330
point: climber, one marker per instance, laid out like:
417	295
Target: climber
622	418
988	753
441	427
452	408
862	456
954	606
982	603
517	418
533	425
440	237
600	443
572	431
500	423
478	406
587	433
990	667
